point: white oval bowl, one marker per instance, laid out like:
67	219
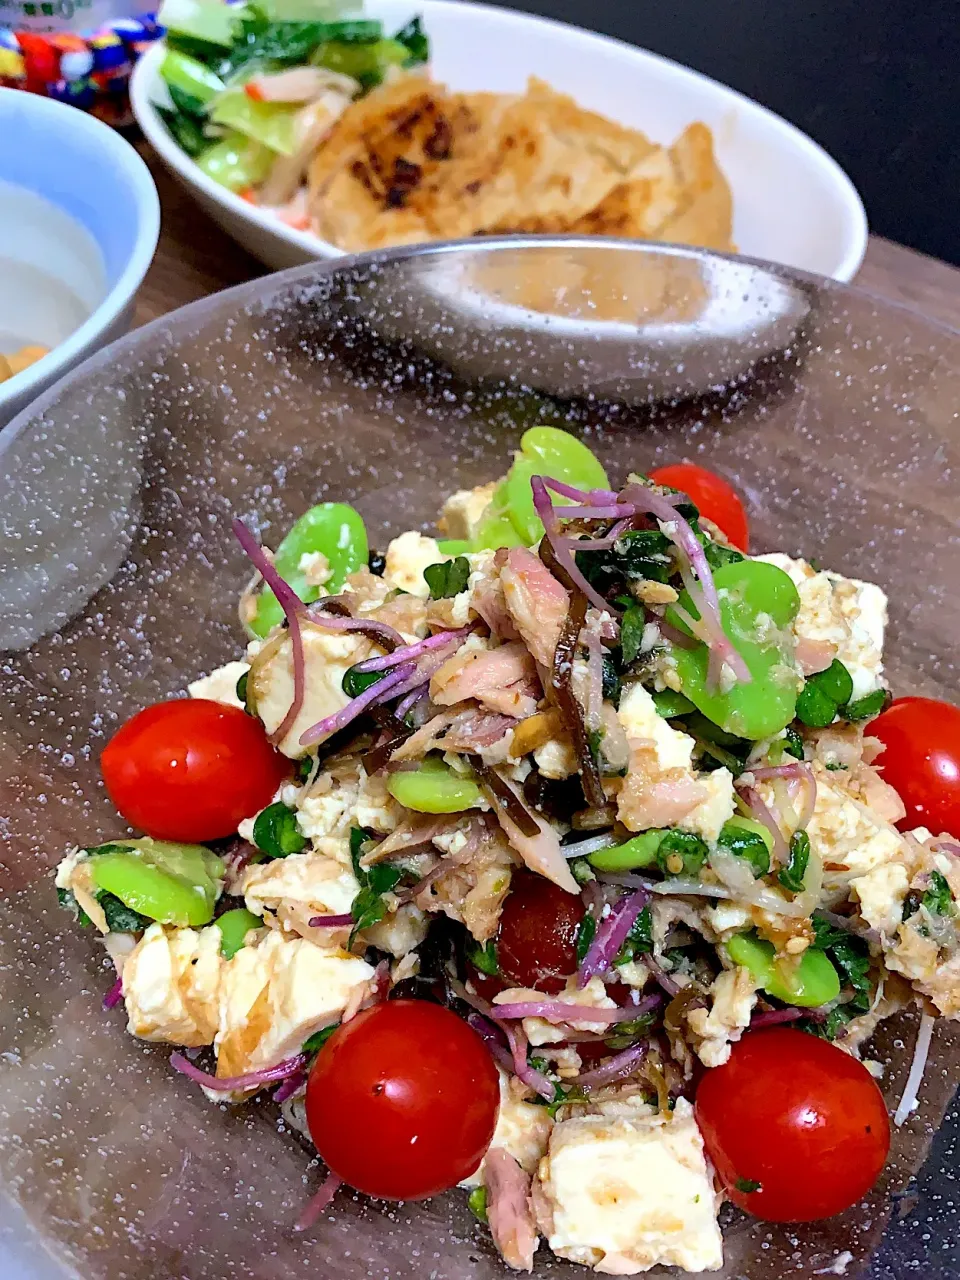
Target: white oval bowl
793	204
79	221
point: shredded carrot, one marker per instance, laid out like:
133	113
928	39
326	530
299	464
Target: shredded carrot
252	90
298	221
249	194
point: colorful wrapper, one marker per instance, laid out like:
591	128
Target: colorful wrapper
88	71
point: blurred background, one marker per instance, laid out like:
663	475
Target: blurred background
876	84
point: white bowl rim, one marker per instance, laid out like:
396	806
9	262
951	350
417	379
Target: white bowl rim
52	366
146	73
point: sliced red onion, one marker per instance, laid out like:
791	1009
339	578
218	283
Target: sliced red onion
563	547
911	1089
608	540
522	1068
344	921
493	1038
234	1084
409	701
947	846
376	693
292	607
474	1001
760	812
583	847
623	879
593	710
408	652
579	495
611	935
615	1068
379	632
319	1202
114	995
612	511
773	1017
663	978
289	1087
564	1011
703	592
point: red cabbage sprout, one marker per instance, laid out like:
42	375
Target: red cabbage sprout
319	1202
409	652
611	935
344	921
113	996
522	1068
235	1084
615	1068
376	693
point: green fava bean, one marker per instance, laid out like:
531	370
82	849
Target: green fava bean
641	851
812	982
758	602
234	927
167	882
332	528
434	788
547	451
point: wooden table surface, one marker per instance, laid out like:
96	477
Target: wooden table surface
195	258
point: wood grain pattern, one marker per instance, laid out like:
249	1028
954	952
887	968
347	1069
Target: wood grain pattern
195	258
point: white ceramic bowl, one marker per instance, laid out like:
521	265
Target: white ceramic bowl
79	220
792	203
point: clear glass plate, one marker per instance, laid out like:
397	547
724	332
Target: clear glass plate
387	382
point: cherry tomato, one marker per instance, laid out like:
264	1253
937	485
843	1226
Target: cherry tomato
191	770
402	1100
715	498
800	1118
921	760
537	942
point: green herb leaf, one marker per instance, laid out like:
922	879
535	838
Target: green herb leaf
849	954
581	870
836	682
824	694
368	907
586	931
611	680
746	844
121	918
477	1204
448	578
639	941
185	131
355	682
870	705
319	1038
358	838
629	1033
595	742
792	743
685	844
747	1185
631	633
276	833
718	555
485	958
305	768
938	899
791	877
416	40
68	901
242	692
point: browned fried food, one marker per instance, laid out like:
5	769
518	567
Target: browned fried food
412	162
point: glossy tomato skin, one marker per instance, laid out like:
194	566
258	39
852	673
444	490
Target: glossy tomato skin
402	1100
712	495
798	1116
191	770
921	760
536	945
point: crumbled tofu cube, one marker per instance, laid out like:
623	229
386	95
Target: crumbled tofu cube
849	838
556	758
407	557
624	1194
846	613
315	567
399	931
523	1129
463	511
171	983
277	993
315	882
673	757
327	656
880	893
538	1030
733	995
220	685
638	715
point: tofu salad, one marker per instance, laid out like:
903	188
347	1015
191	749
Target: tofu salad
571	859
